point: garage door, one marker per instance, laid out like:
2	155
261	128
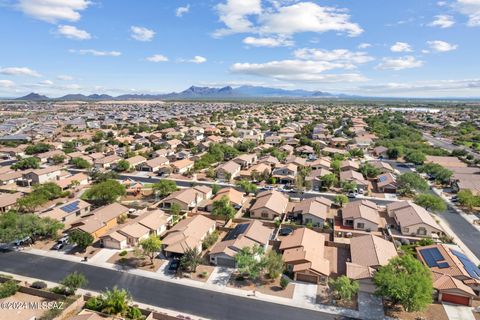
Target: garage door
225	262
455	299
307	278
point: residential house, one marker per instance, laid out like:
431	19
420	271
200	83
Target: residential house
182	166
244	235
387	183
236	197
107	162
413	219
285	174
361	215
8	200
187	198
153	165
313	211
228	170
68	212
187	234
246	160
38	176
304	255
356	177
269	205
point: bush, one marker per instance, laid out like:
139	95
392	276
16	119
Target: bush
94	304
210	240
8	289
60	290
123	253
284	281
39	285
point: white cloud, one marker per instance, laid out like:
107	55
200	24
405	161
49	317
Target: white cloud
46	82
157	58
268	42
73	32
442	21
364	45
19	71
182	10
401	47
234	14
6	83
470	8
441	46
96	53
401	63
283	18
53	10
198	59
64	77
349	58
141	33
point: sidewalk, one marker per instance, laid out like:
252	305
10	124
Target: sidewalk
217	284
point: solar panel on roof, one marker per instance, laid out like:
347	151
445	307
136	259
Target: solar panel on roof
238	230
469	266
443	265
382	178
431	256
69	208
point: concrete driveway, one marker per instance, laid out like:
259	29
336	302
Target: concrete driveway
456	312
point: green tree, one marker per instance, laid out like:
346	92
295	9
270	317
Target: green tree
105	192
369	171
14	226
215	189
27	163
246	186
164	187
416	157
274	264
58	158
81	238
151	246
394	153
116	301
329	180
405	281
430	202
409	182
80	163
467	199
38	148
74	281
349	186
341	199
344	287
191	259
249	262
122	165
223	208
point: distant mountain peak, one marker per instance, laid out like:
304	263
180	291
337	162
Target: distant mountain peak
33	96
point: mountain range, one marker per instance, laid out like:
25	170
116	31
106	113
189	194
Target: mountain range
194	92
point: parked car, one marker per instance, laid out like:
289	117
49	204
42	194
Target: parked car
22	242
61	243
174	265
285	231
352	195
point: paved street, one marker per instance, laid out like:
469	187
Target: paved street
204	303
448	146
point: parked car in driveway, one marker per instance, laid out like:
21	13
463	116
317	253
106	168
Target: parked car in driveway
61	243
174	265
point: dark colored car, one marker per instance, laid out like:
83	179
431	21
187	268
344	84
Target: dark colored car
174	265
285	231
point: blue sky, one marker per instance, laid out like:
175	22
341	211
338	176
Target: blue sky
409	48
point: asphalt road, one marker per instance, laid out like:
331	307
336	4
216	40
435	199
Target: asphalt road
168	295
448	146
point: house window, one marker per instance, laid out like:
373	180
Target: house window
264	214
308	220
405	230
422	231
360	225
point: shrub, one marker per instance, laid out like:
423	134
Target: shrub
284	281
94	304
60	290
8	288
39	285
210	240
123	253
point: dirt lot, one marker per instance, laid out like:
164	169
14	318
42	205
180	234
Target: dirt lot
202	273
476	304
325	296
131	261
264	286
434	311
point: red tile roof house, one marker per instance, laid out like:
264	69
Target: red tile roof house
153	165
313	211
413	219
304	255
368	253
361	215
187	234
269	205
455	276
228	170
243	235
187	198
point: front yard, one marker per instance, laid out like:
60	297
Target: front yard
434	311
130	260
202	273
265	286
326	296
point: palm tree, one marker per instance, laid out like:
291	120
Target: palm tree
191	259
